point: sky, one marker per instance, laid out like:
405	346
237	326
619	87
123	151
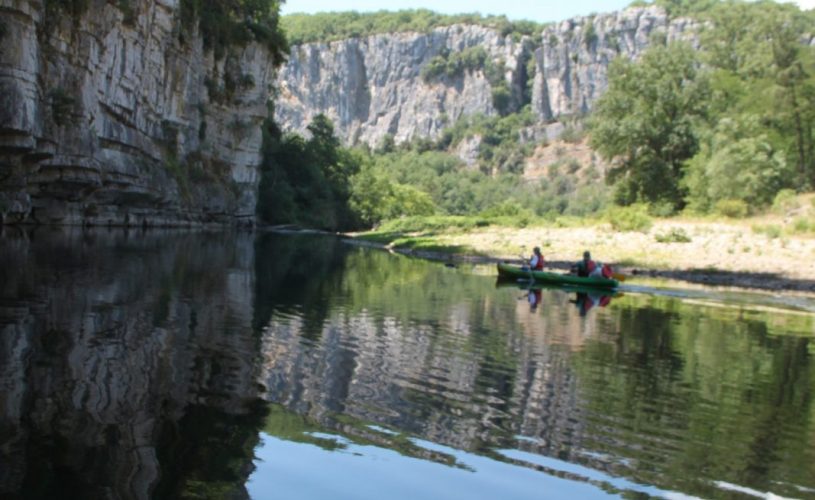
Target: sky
534	10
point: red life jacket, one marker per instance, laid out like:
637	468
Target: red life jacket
541	262
590	267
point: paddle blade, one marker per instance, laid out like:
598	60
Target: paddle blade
618	276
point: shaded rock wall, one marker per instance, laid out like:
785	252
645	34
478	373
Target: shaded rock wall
107	117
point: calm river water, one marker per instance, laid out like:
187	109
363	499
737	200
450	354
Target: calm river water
198	365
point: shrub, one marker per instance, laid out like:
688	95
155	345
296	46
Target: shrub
506	208
501	99
675	235
785	201
572	134
662	209
735	209
772	231
803	225
631	218
589	35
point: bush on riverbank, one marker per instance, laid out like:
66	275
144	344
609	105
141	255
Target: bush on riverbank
632	218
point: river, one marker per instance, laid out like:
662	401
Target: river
167	364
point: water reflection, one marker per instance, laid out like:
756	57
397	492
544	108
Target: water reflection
124	359
585	298
164	365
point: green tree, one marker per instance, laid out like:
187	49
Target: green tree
307	181
736	162
647	120
796	99
376	199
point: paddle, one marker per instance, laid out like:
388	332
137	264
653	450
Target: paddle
525	264
619	276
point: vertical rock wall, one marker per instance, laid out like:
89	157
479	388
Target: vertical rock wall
572	62
114	117
372	87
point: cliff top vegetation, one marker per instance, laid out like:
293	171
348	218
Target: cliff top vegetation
331	26
223	23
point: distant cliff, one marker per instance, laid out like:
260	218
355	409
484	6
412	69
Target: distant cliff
572	63
116	114
376	86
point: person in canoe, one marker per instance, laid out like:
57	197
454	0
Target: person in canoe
536	262
588	268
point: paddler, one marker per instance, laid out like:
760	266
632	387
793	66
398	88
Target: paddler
536	262
588	268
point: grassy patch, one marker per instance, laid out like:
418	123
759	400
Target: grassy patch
430	244
434	223
383	237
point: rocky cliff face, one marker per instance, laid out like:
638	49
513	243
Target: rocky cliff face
114	117
373	86
572	63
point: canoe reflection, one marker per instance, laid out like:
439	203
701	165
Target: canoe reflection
586	298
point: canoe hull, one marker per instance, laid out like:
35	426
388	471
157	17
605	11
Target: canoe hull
512	271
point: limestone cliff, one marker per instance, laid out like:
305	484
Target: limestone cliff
572	63
111	116
373	86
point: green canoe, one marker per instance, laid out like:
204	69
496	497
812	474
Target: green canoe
513	271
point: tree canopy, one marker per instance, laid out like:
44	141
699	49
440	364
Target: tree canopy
730	120
646	122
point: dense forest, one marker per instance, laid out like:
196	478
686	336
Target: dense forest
725	127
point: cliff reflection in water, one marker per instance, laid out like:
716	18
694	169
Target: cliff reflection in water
678	395
151	365
127	364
